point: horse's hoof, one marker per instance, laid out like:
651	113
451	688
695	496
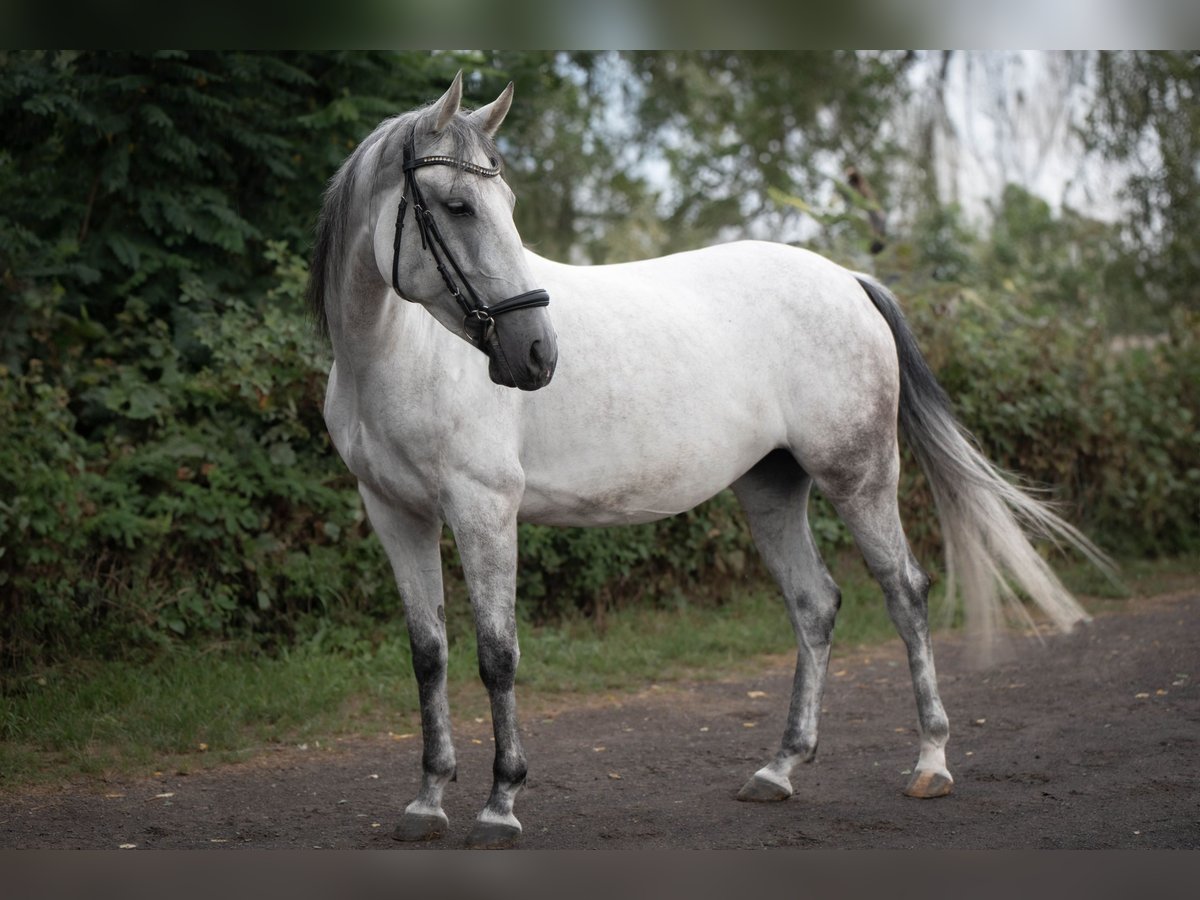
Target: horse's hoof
493	835
929	784
760	790
421	827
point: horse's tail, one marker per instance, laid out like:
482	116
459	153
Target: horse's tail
985	517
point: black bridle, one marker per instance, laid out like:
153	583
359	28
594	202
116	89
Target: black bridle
479	319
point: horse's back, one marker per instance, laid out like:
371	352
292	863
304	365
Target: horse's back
746	296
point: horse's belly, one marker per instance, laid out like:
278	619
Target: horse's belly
620	502
613	473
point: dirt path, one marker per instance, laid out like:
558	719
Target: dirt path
1091	741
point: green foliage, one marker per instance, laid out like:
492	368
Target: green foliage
134	173
1022	342
166	470
204	503
699	554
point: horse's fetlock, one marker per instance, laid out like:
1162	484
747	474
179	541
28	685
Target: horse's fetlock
510	771
937	729
440	764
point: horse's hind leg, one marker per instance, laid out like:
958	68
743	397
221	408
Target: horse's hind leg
870	511
411	543
774	495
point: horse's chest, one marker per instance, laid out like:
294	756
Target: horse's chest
390	453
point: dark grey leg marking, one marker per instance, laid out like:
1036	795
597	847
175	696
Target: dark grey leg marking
774	495
489	553
874	519
411	543
424	819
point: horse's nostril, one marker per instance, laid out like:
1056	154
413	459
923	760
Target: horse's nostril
535	354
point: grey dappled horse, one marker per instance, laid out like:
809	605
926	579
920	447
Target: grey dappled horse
756	365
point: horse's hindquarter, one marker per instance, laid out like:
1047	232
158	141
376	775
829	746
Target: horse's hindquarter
676	375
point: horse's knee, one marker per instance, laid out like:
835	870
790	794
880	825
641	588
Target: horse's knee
430	656
498	658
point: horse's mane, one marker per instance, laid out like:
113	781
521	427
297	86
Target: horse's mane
338	208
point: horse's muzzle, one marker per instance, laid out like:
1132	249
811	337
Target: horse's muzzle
525	364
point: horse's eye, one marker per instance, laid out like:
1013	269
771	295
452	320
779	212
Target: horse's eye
459	208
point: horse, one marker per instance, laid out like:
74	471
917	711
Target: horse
477	385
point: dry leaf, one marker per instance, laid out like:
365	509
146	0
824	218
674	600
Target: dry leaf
614	776
754	695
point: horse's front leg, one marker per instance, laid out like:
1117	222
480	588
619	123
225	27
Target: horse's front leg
411	543
486	535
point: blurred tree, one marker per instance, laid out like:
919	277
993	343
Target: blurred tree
1060	260
1147	114
734	126
555	156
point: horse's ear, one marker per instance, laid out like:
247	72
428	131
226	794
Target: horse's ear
490	117
447	107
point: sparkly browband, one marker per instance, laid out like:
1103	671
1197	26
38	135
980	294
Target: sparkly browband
411	164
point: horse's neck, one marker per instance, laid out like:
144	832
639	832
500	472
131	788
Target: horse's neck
375	327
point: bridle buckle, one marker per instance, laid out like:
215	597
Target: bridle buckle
480	325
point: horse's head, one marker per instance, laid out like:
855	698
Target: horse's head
451	244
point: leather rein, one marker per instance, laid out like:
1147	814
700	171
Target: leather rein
479	319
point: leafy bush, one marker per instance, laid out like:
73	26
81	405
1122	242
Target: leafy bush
697	554
204	503
1110	421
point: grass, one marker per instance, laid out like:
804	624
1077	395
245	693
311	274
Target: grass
194	708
